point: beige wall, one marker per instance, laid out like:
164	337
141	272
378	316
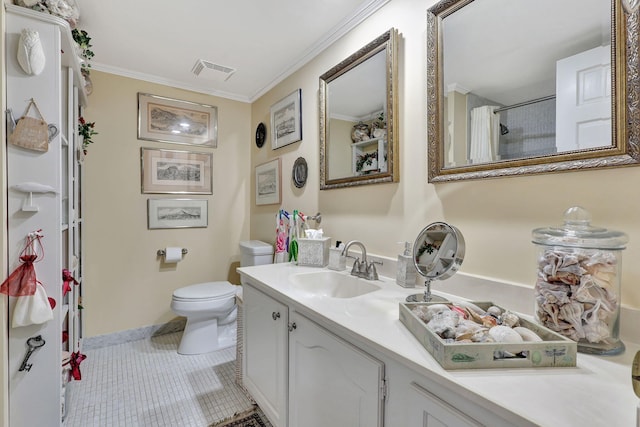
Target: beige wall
126	285
496	216
339	156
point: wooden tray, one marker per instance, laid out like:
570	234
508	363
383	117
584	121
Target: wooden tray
554	351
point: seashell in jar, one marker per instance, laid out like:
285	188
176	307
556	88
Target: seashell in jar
509	319
504	334
572	313
527	334
596	332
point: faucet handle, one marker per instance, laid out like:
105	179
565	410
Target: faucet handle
355	270
372	273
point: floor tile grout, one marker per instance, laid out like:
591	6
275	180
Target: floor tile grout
147	383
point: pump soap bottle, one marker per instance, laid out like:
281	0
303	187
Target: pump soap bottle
406	270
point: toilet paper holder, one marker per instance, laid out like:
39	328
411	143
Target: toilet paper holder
161	252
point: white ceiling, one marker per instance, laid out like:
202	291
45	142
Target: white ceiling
263	40
506	50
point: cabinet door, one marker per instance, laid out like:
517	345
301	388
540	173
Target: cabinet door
265	353
427	410
331	382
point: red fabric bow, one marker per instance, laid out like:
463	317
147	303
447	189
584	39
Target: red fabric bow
76	359
67	279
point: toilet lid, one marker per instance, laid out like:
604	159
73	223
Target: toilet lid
208	291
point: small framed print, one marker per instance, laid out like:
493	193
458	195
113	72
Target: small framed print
177	213
176	172
178	122
286	120
268	180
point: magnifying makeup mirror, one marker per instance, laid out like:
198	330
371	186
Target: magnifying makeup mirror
437	254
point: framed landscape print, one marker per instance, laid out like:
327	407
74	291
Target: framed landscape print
177	213
178	122
286	120
176	172
268	183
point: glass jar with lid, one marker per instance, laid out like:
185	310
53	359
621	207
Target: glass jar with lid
577	291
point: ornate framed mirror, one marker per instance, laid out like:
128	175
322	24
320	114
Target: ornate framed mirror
358	124
532	86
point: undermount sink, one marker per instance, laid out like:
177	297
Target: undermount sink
331	284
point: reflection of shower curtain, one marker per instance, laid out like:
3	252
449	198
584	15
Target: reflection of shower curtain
485	131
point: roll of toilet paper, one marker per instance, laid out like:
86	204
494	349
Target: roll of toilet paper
172	254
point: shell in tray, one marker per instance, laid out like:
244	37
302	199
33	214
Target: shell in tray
517	343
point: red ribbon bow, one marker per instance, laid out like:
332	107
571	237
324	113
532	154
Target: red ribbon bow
76	359
67	279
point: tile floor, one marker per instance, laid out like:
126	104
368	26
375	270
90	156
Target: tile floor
147	383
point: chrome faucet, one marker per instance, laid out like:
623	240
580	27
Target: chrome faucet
361	268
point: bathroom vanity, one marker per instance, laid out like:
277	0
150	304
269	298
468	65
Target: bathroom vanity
324	348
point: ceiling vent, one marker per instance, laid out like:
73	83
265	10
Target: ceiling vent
207	69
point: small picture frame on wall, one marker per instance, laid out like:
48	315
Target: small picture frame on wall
177	213
178	122
286	120
268	183
176	172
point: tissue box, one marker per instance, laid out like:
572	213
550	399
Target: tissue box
314	252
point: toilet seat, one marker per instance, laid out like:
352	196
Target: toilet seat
208	291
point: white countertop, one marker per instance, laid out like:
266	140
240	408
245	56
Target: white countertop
598	392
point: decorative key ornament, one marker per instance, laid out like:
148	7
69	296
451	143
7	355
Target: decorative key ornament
33	343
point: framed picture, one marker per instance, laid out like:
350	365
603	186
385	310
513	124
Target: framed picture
177	213
268	183
177	122
286	120
176	172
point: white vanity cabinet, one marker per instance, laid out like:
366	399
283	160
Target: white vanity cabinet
265	359
424	409
330	382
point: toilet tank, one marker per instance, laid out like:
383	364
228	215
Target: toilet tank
255	252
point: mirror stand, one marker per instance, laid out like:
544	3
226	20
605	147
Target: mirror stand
426	296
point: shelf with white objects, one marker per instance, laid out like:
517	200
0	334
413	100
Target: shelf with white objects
369	156
59	94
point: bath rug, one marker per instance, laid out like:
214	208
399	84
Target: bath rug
254	417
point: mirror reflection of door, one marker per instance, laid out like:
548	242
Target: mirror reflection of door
509	89
583	100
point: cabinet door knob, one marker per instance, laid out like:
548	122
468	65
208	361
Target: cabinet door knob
275	315
292	326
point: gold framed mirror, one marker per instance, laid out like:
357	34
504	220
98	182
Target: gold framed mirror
534	86
358	124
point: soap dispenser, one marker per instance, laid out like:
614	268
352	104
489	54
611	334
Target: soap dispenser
406	269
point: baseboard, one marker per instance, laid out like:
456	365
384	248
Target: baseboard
136	334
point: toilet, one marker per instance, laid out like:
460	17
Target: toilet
210	307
